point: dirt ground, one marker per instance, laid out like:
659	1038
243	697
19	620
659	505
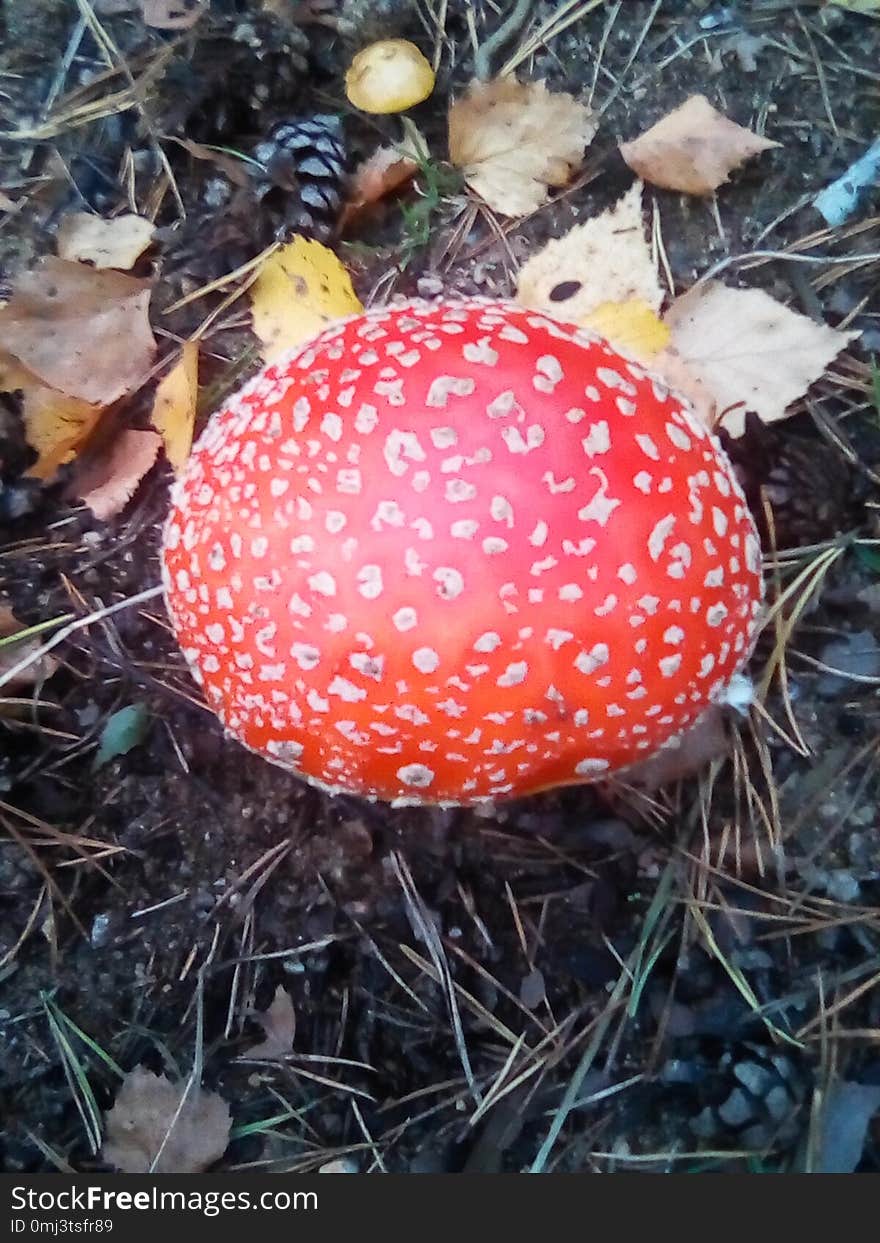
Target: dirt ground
686	979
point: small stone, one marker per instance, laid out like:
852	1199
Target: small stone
533	990
99	931
342	1165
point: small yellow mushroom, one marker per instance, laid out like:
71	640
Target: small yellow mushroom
389	76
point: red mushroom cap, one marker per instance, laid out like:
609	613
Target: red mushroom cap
459	551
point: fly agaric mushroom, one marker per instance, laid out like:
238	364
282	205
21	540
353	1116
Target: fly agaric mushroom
451	552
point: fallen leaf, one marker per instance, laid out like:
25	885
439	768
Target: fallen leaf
235	169
515	140
83	332
631	327
388	169
122	732
694	148
14	650
301	289
671	368
156	1126
116	243
601	274
750	351
55	426
174	406
279	1025
109	482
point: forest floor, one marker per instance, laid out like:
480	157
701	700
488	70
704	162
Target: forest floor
685	978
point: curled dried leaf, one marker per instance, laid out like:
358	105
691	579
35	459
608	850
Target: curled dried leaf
109	481
388	169
515	140
83	332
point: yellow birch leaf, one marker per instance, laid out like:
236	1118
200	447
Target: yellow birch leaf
174	406
632	327
301	289
56	425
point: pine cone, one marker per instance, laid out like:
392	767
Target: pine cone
303	164
756	1097
814	493
294	188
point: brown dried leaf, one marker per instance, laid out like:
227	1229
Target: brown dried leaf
387	169
279	1025
694	148
82	332
515	140
109	482
12	653
605	259
750	351
174	406
149	1124
116	243
234	169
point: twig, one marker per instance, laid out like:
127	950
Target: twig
80	624
508	28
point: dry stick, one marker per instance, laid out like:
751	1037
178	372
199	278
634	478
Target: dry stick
507	29
80	624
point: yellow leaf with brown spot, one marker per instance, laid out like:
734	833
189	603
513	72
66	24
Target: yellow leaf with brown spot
174	406
607	259
301	289
632	327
